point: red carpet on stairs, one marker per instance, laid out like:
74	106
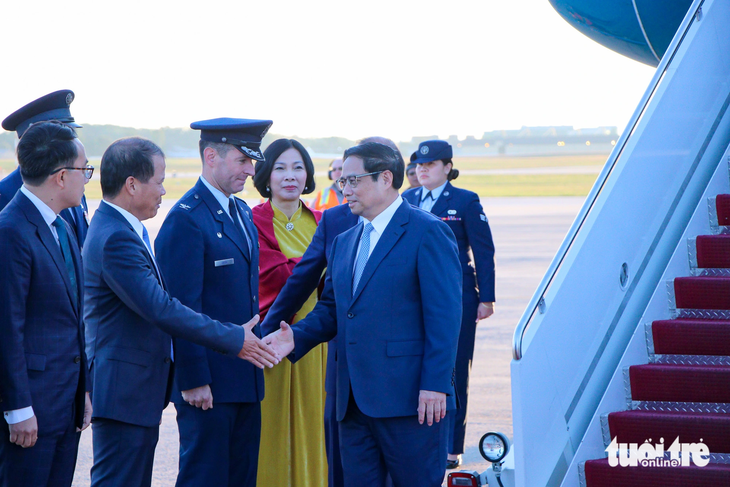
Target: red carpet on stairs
600	474
712	429
702	292
677	383
680	383
713	251
685	336
722	203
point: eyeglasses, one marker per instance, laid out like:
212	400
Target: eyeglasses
353	180
88	170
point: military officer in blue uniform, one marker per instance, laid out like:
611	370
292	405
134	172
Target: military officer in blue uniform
53	106
207	250
463	212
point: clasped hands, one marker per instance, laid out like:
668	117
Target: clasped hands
431	404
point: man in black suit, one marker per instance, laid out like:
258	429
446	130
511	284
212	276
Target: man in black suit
43	373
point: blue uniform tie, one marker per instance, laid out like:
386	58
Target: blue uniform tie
63	241
362	256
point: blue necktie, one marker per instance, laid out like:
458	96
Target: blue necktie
362	256
63	241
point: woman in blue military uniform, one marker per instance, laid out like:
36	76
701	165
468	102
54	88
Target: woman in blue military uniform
463	212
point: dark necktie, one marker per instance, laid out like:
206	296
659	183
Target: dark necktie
63	241
233	210
425	198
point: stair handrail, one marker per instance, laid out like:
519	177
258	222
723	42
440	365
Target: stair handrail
538	299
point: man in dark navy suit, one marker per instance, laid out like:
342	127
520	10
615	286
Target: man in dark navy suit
463	213
298	288
392	296
53	106
43	374
130	318
207	249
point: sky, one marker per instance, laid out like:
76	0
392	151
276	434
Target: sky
397	68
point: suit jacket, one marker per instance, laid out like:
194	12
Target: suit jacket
77	217
129	319
219	278
42	359
463	212
306	277
398	334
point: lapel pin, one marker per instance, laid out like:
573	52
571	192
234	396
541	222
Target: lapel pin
219	235
446	193
220	212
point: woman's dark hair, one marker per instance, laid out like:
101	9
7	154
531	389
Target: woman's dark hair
379	157
45	147
454	173
271	154
130	156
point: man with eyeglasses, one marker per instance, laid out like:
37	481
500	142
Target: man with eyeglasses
393	298
43	369
301	284
53	106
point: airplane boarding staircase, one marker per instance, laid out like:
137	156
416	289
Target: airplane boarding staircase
628	334
684	390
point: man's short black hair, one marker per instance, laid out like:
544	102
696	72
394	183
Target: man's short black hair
131	156
44	147
271	154
378	157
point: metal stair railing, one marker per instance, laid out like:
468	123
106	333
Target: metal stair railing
538	303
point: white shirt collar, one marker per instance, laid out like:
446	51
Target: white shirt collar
49	216
133	220
220	197
435	193
381	221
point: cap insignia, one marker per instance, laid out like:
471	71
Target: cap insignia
69	98
424	150
250	152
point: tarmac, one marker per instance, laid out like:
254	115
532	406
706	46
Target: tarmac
527	232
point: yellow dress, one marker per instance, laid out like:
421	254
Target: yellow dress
292	451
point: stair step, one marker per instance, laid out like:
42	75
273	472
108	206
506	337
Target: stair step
712	429
706	293
598	473
680	383
691	337
713	251
722	203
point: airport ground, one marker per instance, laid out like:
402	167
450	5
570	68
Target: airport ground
527	233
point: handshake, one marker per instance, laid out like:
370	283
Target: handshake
268	351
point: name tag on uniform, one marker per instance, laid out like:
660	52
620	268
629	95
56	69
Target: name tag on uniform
221	263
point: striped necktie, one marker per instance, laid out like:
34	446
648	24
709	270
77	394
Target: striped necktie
362	256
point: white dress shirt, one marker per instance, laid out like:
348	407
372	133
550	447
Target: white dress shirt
427	203
223	201
380	222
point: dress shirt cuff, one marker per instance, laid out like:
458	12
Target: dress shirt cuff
18	415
